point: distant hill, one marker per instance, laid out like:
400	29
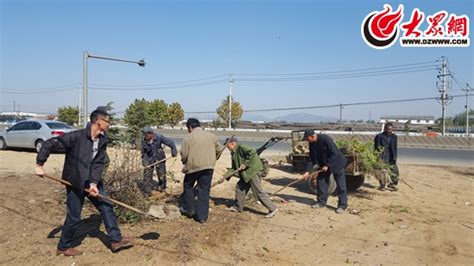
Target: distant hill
255	117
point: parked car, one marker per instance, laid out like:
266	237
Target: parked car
32	133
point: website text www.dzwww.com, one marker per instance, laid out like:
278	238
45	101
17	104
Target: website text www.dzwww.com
441	42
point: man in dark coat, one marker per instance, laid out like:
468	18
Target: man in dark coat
152	152
324	153
387	143
83	166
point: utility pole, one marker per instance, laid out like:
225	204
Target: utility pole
467	108
86	56
14	107
443	88
83	111
340	116
230	100
80	108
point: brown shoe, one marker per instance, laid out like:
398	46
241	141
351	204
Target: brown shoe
70	252
125	243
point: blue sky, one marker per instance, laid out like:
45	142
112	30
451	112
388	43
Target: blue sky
42	44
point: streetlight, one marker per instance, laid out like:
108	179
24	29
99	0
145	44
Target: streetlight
140	63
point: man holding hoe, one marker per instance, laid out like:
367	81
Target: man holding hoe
83	165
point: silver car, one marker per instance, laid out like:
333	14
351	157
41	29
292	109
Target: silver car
32	133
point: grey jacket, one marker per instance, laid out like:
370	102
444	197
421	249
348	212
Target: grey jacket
199	151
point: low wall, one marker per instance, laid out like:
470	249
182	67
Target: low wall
403	141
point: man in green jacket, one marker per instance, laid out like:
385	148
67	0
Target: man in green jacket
246	158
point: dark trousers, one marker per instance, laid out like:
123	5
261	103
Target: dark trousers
74	203
323	186
161	169
203	179
160	172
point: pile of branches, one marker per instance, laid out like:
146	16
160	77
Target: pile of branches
121	180
368	158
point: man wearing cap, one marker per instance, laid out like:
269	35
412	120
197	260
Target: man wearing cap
246	159
152	152
199	151
324	153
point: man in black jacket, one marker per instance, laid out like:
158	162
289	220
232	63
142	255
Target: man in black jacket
387	143
324	153
152	152
83	166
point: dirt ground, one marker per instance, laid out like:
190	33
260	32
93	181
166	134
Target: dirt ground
429	224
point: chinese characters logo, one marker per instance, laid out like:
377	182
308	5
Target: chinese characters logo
380	29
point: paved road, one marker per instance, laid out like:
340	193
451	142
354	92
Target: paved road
406	155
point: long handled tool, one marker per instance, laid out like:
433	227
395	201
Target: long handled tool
119	203
218	155
151	165
220	181
311	176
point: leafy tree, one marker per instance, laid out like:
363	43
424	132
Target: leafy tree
157	110
175	113
448	121
114	132
223	111
137	117
460	119
216	123
68	115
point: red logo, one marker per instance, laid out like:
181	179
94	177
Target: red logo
458	26
380	28
435	28
411	27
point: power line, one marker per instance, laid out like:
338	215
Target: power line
343	76
338	105
56	88
159	84
40	92
161	88
340	74
340	71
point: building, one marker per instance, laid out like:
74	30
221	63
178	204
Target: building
410	119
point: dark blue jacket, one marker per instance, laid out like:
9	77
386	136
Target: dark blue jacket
79	166
324	152
152	152
389	146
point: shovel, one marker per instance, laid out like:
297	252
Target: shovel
220	181
311	176
119	203
151	165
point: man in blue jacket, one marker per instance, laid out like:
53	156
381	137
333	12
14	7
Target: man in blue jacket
324	153
83	167
152	152
387	143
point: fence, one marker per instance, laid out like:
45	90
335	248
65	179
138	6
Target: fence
403	141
